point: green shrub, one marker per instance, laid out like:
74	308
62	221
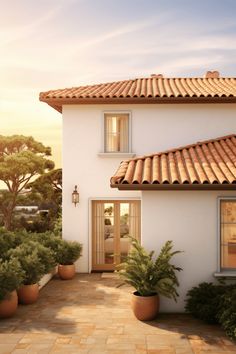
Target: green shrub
68	252
48	240
8	240
203	300
147	275
35	260
214	304
227	311
11	276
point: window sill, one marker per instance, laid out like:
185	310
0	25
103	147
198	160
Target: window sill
225	274
116	154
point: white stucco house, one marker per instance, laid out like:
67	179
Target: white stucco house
154	158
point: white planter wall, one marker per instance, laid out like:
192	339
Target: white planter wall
154	128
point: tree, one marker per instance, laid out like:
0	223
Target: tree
49	185
21	160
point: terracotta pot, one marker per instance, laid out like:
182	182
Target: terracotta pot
28	294
145	308
9	305
66	272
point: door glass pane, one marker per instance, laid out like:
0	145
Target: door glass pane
124	230
228	234
129	226
109	233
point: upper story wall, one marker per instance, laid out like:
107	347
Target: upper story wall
155	127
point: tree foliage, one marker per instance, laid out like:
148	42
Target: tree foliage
49	186
21	160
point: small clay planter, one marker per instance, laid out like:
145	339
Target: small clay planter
66	272
145	308
9	305
28	294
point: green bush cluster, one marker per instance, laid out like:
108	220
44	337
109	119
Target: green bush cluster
11	276
35	259
227	311
26	257
68	252
214	303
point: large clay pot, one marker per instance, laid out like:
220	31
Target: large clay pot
9	305
145	308
28	294
66	272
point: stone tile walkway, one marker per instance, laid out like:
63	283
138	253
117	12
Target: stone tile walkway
89	314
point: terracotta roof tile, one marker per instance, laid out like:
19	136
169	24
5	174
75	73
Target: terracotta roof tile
211	162
151	89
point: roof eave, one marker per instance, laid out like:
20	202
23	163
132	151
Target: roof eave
57	103
173	187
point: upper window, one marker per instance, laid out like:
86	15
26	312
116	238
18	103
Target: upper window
228	234
116	132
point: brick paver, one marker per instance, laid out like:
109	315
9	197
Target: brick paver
90	314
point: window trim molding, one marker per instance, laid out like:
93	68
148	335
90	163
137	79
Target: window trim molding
118	111
222	273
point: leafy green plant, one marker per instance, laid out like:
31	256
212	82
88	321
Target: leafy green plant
11	276
227	311
8	240
48	240
203	301
68	252
148	275
214	303
35	260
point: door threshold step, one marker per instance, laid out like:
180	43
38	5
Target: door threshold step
110	275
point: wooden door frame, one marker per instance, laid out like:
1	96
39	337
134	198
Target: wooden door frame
109	267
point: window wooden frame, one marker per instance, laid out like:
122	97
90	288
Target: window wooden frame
117	112
220	269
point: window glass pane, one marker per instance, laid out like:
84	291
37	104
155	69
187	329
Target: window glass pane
116	132
228	234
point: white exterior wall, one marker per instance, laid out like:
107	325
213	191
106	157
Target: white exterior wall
154	128
190	219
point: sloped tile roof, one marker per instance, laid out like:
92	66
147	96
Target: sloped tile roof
147	90
208	164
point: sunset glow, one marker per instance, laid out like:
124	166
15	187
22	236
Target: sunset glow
48	45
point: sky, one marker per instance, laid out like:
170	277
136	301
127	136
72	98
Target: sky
52	44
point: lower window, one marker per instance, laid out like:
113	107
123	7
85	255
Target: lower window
228	234
112	223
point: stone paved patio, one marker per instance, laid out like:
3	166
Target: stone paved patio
91	315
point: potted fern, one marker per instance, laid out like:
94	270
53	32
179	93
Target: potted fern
11	277
35	260
150	277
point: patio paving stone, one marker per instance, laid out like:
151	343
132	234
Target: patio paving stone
91	314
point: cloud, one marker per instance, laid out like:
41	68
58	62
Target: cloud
12	34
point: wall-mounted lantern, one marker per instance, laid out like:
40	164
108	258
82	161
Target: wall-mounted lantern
75	196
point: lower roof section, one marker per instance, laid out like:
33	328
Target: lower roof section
206	165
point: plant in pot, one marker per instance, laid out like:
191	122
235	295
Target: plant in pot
35	260
150	277
11	277
67	253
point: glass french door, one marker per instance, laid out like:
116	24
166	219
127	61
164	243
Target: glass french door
112	223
